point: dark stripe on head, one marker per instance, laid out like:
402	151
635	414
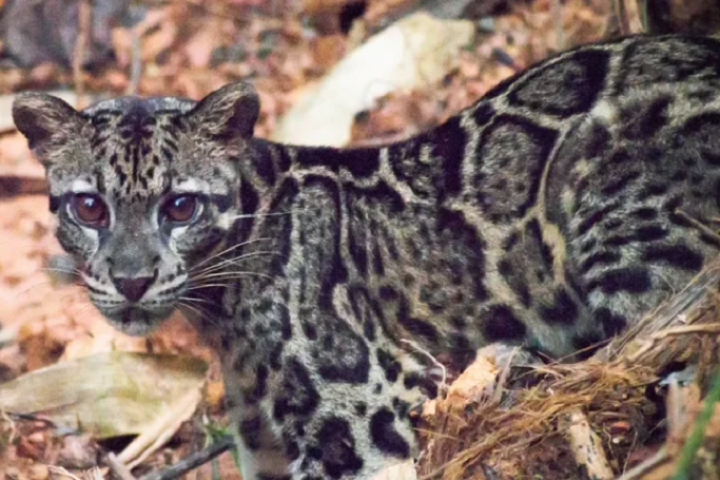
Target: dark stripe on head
223	202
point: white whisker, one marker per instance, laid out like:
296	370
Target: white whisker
187	305
235	261
205	285
195	299
272	214
61	270
227	250
234	274
201	312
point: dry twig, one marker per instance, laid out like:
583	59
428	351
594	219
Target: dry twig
648	465
687	329
193	461
443	387
587	447
61	471
119	468
14	185
81	44
13	428
161	430
135	63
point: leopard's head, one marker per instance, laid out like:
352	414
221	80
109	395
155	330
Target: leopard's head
143	191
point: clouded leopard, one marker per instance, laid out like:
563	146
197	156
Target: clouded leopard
552	213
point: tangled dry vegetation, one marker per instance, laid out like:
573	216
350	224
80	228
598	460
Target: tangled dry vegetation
594	418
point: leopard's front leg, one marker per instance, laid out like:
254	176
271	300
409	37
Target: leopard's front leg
260	451
318	405
338	414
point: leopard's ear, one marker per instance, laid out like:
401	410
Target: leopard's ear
42	118
227	112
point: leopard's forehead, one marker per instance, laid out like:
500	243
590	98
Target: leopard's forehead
123	105
139	148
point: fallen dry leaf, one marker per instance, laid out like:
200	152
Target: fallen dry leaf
108	394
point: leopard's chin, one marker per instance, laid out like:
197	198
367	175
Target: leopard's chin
137	321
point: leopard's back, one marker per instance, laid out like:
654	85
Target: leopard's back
499	226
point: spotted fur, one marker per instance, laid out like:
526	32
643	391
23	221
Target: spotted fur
552	213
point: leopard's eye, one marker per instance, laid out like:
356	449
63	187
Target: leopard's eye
180	209
90	210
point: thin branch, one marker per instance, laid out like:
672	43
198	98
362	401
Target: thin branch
15	185
193	461
648	465
587	447
62	472
118	467
621	12
559	33
443	387
81	44
687	329
135	63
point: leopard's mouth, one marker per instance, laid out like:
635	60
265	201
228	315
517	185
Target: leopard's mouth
137	320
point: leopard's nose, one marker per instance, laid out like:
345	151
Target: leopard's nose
133	288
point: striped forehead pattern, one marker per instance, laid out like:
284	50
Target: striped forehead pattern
131	149
135	144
